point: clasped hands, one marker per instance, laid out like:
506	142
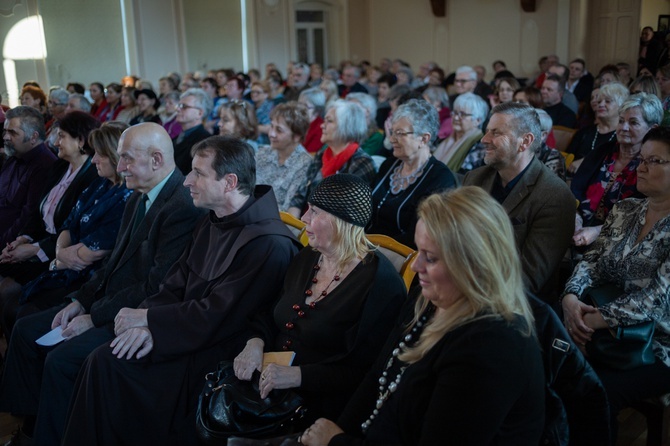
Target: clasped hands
581	319
18	251
68	258
273	377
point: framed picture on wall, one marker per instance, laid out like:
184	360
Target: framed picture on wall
663	23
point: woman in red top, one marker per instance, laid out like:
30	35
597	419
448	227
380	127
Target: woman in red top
315	101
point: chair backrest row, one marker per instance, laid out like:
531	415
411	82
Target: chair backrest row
401	256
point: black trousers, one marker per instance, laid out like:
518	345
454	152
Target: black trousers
40	381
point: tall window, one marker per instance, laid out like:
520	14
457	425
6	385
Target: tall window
311	37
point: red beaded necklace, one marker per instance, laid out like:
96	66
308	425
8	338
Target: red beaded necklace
299	310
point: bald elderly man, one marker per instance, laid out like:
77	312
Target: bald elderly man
157	223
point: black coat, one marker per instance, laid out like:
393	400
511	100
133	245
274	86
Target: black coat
35	227
576	403
183	145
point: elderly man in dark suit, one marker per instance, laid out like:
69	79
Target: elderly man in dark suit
540	205
158	221
199	316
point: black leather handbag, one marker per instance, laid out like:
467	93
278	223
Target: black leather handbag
629	347
231	407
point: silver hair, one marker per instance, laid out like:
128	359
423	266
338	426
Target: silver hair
546	123
465	69
525	120
351	124
471	103
316	98
203	101
437	94
650	105
60	95
421	115
368	103
84	104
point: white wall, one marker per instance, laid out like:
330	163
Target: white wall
213	34
650	11
474	32
84	41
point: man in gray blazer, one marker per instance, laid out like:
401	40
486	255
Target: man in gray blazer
540	204
157	223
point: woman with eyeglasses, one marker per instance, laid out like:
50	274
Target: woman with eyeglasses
412	174
633	252
469	113
609	173
238	119
260	94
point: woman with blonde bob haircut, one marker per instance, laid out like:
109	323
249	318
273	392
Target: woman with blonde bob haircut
465	365
339	301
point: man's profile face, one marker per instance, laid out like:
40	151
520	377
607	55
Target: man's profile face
14	138
206	190
500	141
135	165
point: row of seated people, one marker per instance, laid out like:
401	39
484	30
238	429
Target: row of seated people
538	205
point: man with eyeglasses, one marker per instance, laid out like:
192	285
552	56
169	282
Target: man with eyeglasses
464	82
24	173
194	107
539	204
56	105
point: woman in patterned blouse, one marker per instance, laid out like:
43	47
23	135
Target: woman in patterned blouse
632	252
608	173
283	164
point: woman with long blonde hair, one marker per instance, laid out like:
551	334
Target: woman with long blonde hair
466	369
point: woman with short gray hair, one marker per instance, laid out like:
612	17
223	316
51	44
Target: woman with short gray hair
315	101
467	117
410	175
343	129
374	141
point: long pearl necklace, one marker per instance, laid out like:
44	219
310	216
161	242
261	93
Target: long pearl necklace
387	386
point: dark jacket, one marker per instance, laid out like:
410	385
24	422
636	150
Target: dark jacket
141	258
184	143
35	226
577	412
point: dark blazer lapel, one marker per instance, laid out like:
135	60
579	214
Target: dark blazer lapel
142	232
524	187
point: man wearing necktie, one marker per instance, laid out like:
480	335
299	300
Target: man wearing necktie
143	253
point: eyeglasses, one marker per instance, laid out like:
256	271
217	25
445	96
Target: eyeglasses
182	106
399	133
462	114
651	161
462	81
56	104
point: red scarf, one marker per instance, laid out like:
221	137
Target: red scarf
330	163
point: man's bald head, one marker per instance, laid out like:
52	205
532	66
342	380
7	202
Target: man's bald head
146	156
